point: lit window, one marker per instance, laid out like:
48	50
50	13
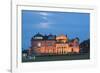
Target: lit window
39	44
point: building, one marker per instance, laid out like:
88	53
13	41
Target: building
74	44
50	44
37	41
43	44
53	45
63	48
62	45
62	38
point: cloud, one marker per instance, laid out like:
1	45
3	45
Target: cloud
44	25
45	18
44	13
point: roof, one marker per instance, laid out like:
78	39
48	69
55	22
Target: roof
61	37
51	37
38	35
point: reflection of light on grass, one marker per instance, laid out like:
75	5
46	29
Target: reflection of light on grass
34	57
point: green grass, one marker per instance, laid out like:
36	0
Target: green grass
57	57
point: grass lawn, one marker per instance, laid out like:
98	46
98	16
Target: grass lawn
57	57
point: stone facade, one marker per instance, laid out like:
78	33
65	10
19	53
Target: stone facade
53	45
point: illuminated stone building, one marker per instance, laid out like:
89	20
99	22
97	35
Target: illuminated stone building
74	44
53	45
62	38
62	45
50	44
37	41
43	44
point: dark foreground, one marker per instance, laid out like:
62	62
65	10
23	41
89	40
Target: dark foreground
81	56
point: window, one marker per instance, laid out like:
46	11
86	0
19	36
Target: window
49	44
39	44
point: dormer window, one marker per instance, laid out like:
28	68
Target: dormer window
38	37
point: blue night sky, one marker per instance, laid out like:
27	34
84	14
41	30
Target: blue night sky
56	23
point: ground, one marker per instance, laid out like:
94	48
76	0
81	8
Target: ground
57	57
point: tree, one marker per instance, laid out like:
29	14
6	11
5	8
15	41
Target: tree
85	46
